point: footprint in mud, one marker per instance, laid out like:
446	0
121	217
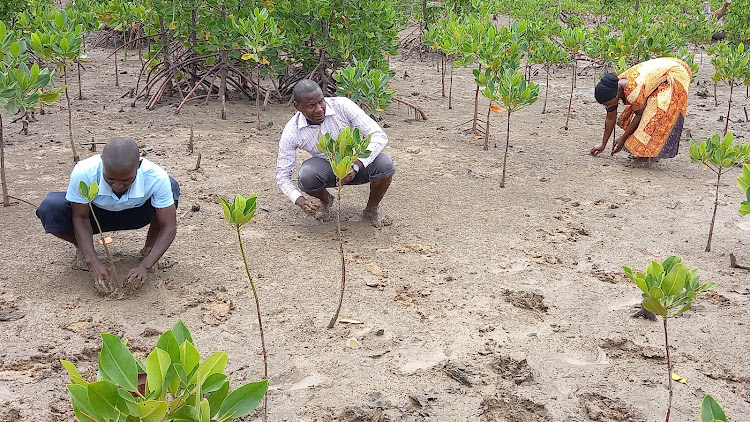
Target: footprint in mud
623	348
511	408
350	414
608	276
526	300
711	297
517	371
9	310
604	409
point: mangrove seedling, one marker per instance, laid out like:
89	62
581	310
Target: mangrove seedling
718	154
238	213
89	192
342	152
514	93
548	54
731	65
573	39
668	291
62	45
171	384
744	183
21	88
366	86
711	411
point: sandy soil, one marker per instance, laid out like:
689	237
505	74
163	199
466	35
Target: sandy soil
479	303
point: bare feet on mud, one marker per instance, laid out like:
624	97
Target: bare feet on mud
376	218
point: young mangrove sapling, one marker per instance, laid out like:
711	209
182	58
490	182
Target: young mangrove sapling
89	192
238	213
668	291
514	93
342	152
718	154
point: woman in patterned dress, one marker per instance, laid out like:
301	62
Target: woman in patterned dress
655	94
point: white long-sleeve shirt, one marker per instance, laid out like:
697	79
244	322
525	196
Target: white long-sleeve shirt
299	134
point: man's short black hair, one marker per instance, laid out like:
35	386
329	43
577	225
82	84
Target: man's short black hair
304	87
121	154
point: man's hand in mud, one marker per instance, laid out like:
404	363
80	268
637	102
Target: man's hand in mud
308	206
137	277
100	276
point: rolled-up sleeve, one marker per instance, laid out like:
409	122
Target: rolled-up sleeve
285	166
367	126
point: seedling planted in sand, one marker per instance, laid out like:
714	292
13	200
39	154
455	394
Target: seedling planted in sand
668	291
718	154
171	384
342	152
237	214
89	192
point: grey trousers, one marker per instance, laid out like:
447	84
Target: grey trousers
316	174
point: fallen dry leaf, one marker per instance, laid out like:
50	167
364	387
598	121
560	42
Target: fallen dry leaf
353	343
349	321
107	240
679	378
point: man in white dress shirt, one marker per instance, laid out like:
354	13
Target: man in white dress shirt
318	115
133	193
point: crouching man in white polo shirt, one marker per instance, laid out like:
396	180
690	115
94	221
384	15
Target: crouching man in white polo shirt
133	193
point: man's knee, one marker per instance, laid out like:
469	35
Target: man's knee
55	213
382	168
311	177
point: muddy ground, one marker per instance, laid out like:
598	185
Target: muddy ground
478	304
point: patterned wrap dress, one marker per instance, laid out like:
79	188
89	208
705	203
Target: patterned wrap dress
662	86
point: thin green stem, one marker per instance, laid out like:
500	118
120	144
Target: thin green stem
341	251
106	249
260	321
669	367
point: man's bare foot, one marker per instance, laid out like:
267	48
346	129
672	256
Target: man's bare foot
376	218
324	212
79	263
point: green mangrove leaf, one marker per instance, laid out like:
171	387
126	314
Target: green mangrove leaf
117	363
243	400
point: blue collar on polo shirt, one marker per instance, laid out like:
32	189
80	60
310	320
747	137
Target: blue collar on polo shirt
302	120
136	190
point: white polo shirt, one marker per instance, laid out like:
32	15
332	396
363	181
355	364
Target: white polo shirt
151	181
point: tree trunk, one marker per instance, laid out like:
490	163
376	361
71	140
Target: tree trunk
341	251
505	157
546	93
572	87
424	13
476	106
80	90
117	72
450	91
713	217
442	72
6	200
70	119
257	100
729	107
669	368
487	129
